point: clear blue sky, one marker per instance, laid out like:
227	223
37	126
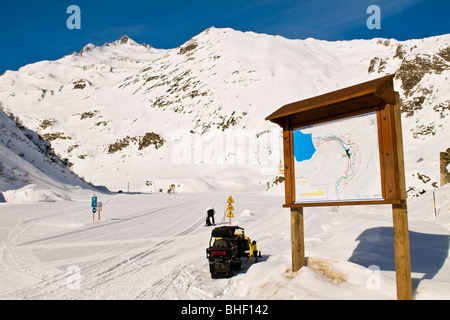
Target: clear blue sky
34	30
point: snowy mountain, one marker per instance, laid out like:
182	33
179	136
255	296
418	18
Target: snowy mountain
191	118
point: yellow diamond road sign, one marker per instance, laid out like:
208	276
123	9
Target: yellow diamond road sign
230	214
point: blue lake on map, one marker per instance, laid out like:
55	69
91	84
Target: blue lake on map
303	146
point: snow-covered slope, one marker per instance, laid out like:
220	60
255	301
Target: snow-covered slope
192	117
29	169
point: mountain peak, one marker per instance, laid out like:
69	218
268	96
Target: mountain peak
125	40
87	48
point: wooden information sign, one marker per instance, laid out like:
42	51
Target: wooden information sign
345	148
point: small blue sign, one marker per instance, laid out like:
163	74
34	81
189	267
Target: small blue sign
94	210
94	202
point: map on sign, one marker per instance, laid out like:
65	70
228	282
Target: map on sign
338	160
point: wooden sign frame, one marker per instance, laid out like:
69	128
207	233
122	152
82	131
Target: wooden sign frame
373	96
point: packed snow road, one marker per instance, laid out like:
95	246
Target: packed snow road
143	247
152	246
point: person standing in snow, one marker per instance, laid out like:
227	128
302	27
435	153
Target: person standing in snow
210	212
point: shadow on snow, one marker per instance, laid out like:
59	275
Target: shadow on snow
376	247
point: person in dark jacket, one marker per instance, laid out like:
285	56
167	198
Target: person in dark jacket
210	212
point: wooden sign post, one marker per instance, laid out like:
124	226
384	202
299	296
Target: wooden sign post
400	219
369	110
99	208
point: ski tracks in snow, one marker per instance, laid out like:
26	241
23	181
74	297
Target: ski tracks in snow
143	265
144	247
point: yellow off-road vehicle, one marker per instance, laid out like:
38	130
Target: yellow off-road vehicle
226	247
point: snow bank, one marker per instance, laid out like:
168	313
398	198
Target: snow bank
321	278
34	193
246	213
